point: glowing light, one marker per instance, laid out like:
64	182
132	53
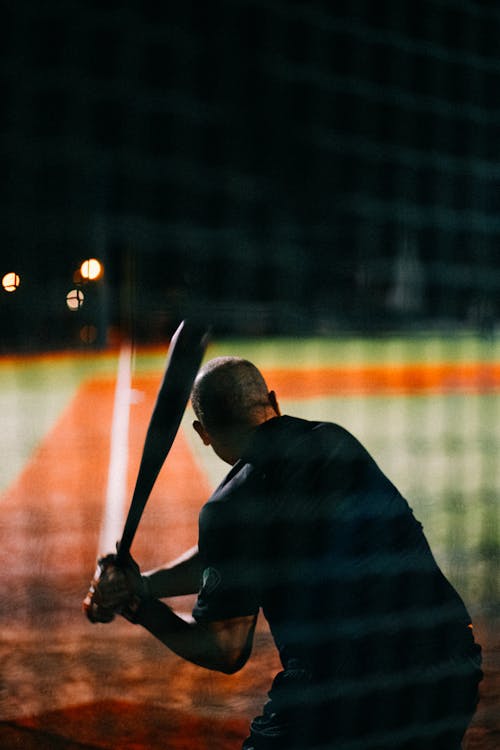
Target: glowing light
11	281
91	269
74	299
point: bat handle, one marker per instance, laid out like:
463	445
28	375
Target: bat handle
123	551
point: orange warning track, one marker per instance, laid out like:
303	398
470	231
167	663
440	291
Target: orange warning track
387	379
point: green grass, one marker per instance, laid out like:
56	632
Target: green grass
345	350
317	352
33	393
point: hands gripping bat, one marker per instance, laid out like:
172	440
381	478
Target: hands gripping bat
186	350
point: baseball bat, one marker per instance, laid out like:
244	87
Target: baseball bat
186	350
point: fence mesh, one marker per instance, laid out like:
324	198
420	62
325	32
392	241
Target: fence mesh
318	180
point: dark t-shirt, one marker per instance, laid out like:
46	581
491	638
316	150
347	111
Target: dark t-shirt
308	528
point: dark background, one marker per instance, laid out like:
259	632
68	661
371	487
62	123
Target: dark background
280	167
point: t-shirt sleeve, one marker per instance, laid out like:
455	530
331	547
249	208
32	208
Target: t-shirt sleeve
230	586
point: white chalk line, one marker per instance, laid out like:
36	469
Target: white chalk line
116	491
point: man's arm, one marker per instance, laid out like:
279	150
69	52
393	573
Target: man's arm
223	646
177	578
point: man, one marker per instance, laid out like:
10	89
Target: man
376	645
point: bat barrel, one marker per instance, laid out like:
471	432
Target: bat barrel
186	351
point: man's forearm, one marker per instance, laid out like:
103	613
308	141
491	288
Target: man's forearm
181	576
189	640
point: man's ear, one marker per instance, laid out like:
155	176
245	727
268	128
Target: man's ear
198	427
274	403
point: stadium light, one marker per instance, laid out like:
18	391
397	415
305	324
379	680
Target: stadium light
11	281
91	269
74	299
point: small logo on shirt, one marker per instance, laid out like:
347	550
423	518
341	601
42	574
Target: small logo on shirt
210	581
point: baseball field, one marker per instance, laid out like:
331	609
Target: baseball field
427	408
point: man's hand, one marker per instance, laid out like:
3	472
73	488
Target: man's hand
115	589
96	604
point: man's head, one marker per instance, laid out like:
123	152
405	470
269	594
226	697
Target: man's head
230	398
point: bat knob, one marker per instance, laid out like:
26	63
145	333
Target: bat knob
96	612
92	605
